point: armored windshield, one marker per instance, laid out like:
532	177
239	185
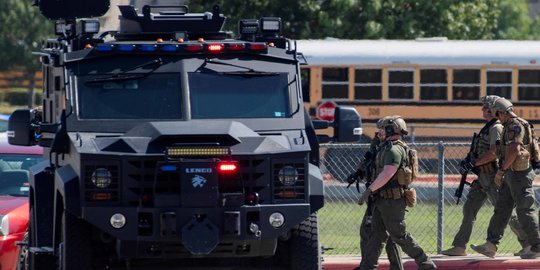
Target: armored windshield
134	97
238	95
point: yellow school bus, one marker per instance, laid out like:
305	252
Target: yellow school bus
431	82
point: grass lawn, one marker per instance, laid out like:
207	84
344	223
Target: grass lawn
339	227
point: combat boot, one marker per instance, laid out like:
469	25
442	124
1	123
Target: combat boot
533	253
523	251
488	249
455	251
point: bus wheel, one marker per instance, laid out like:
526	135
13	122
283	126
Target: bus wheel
305	247
75	249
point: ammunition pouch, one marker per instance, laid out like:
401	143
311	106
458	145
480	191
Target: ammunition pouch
410	197
391	193
487	168
404	176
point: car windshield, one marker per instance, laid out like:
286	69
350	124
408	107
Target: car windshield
136	96
239	95
14	173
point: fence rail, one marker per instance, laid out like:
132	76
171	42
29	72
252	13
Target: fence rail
433	223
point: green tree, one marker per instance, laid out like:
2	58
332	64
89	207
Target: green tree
514	21
22	28
375	19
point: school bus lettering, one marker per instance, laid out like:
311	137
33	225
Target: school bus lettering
374	111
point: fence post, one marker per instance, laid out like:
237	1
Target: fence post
440	198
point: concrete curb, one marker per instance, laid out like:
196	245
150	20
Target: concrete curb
443	263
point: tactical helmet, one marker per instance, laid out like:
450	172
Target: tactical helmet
501	105
380	121
394	125
487	101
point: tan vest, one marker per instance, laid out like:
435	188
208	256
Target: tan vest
522	161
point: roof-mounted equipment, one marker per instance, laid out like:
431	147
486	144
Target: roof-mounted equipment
72	9
169	21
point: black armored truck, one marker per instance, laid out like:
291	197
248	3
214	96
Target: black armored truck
169	140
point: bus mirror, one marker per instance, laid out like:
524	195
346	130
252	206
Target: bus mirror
347	124
20	131
320	124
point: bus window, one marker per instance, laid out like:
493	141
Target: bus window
368	84
335	83
466	85
400	84
499	82
305	75
529	84
433	84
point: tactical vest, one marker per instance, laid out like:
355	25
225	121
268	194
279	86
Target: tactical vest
482	146
392	183
482	143
522	161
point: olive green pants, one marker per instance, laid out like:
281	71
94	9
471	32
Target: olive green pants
392	250
483	188
516	191
389	219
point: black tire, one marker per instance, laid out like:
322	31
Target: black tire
76	250
23	260
305	247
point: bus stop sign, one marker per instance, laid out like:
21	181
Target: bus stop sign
325	111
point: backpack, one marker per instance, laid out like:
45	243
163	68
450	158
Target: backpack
535	149
408	171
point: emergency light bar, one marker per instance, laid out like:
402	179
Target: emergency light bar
202	151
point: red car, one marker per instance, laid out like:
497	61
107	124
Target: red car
15	162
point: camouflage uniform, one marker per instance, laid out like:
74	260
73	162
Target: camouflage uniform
516	190
483	188
389	215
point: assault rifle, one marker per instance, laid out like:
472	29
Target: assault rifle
364	172
464	172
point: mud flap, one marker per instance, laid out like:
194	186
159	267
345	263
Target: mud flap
200	236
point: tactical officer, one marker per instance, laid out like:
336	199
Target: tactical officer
514	178
389	200
483	162
365	173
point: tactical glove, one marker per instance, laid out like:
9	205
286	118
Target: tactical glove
465	166
499	178
365	196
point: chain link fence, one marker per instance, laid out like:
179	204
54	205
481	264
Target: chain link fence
433	222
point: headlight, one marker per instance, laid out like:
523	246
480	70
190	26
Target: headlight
276	219
288	175
4	225
118	221
101	178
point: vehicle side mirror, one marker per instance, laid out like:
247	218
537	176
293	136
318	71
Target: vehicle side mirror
347	124
20	130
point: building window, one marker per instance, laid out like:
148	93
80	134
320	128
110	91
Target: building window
499	82
433	84
400	84
466	84
529	84
335	83
368	84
